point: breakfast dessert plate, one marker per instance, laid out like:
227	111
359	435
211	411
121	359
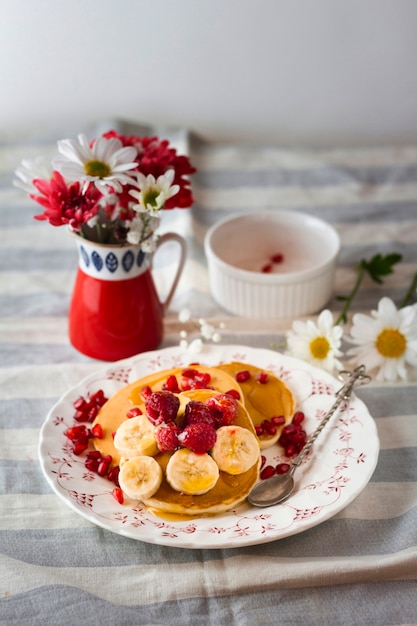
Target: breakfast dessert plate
336	470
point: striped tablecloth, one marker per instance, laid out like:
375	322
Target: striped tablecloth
360	566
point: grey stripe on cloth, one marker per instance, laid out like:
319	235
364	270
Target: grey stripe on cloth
318	606
315	176
27	412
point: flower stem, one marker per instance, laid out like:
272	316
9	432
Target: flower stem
410	292
348	300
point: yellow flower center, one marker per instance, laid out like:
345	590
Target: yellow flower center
319	347
150	197
97	168
391	343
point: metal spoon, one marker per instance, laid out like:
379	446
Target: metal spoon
277	488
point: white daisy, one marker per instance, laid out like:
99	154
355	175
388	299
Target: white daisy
386	340
153	194
317	344
106	163
30	170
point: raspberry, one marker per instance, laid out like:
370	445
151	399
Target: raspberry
198	437
226	408
166	436
161	406
196	412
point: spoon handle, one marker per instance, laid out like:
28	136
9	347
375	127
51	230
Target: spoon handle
358	376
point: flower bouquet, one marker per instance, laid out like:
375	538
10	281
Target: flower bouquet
110	190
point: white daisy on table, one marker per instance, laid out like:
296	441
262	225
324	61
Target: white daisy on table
386	340
317	344
106	163
153	193
30	170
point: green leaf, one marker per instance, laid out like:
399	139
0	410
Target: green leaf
380	266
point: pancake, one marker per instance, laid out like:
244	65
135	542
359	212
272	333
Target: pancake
263	401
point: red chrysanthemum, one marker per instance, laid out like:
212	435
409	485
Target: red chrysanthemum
65	204
155	156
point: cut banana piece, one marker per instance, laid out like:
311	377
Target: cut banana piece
191	473
236	449
140	477
135	437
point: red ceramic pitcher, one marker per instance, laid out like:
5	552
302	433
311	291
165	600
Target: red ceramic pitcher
115	310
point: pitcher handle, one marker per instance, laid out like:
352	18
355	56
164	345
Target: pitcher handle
183	254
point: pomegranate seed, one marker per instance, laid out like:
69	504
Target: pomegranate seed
282	468
97	431
134	412
145	392
171	384
278	420
102	468
81	416
107	458
117	494
92	413
298	417
269	427
94	454
234	393
92	465
79	403
79	448
267	268
75	432
277	258
189	372
263	460
290	449
262	378
98	397
243	376
259	429
113	475
267	472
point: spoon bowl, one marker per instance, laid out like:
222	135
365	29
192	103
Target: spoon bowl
274	490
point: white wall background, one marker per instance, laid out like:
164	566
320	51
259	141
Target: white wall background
298	72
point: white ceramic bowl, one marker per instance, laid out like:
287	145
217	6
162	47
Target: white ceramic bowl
238	248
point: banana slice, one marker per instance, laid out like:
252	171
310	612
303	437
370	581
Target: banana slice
140	477
191	473
236	449
135	437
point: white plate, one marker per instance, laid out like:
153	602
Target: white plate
335	472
